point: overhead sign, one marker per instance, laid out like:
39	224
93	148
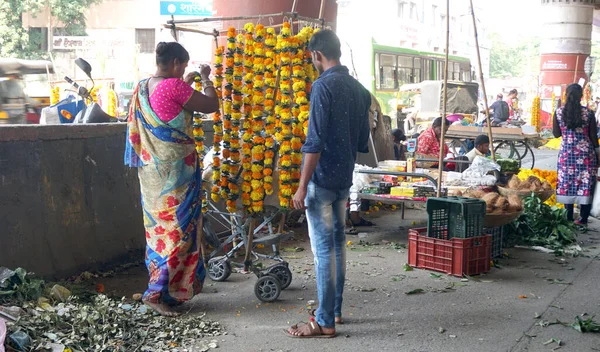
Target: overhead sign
202	8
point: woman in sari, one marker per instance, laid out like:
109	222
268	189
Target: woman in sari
160	144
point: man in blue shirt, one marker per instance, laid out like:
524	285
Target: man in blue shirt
338	128
500	110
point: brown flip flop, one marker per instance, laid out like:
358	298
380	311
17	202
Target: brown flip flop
312	329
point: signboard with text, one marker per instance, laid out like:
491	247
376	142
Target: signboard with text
83	42
202	8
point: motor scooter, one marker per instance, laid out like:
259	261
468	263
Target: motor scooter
92	112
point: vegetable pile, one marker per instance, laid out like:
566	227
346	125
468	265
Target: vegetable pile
508	165
542	225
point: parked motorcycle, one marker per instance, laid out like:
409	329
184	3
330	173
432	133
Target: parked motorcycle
92	112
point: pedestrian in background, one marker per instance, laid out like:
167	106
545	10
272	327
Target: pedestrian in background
578	155
338	129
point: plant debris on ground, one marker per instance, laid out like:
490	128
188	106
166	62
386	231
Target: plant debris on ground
89	323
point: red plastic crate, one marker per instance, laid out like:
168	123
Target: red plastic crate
457	256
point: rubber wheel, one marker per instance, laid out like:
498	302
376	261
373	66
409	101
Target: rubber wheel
267	288
282	273
219	269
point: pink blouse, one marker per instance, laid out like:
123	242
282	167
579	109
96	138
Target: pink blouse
169	97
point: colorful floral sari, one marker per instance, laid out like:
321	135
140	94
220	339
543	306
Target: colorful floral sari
170	184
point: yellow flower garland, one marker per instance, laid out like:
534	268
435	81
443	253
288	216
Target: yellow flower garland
231	142
535	114
111	109
257	194
199	140
217	191
269	113
54	95
247	97
284	117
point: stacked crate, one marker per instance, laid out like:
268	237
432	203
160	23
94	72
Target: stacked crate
454	241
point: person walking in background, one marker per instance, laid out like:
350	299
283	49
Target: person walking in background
160	144
338	129
513	103
578	155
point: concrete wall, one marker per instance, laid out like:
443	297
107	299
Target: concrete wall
67	202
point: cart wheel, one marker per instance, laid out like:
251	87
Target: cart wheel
267	288
219	269
283	273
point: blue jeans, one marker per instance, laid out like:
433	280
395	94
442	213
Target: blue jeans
326	216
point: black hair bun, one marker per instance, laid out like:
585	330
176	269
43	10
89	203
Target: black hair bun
162	48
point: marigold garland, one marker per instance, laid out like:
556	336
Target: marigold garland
247	95
217	191
231	128
257	195
269	113
284	116
199	141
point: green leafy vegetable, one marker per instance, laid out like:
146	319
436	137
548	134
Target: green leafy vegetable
542	225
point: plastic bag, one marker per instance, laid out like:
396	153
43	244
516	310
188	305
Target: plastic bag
477	173
2	334
596	202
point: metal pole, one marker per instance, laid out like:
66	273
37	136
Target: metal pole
445	101
322	9
485	102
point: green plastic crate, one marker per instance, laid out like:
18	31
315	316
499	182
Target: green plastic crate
458	217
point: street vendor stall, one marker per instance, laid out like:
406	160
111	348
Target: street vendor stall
263	76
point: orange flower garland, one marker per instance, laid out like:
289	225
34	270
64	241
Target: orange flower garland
199	140
216	191
284	131
257	194
247	93
270	82
236	115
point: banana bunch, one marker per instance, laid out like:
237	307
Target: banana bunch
535	114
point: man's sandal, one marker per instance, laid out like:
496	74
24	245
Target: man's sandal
308	330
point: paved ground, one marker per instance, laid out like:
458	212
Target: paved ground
485	315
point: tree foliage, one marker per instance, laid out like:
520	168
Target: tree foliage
17	41
514	59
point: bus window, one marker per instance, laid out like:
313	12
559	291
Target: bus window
405	70
417	70
386	72
457	71
440	70
427	66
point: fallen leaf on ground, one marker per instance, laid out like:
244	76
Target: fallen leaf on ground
415	291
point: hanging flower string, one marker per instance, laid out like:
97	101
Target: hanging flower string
257	194
199	140
216	191
284	135
309	77
269	113
247	93
299	97
231	141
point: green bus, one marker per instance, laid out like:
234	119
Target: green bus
392	67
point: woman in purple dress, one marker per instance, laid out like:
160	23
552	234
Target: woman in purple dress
578	156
